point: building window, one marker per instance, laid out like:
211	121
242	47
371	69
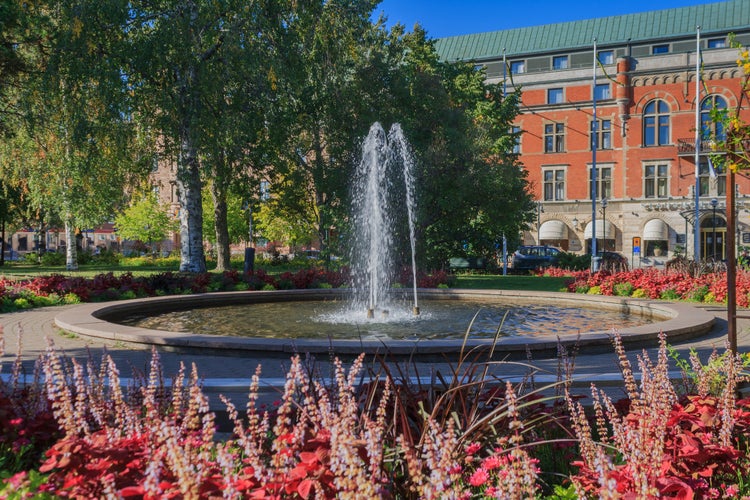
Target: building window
517	67
655	180
603	183
606	57
516	131
554	138
554	184
602	135
656	123
602	91
560	62
554	96
706	178
709	128
717	43
265	190
660	49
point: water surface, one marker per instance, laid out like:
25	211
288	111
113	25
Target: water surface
439	319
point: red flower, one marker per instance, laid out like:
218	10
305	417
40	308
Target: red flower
479	477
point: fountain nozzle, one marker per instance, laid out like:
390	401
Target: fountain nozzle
415	311
370	313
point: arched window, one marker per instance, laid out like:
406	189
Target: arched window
656	123
709	128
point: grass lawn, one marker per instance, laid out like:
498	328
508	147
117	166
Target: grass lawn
468	281
499	282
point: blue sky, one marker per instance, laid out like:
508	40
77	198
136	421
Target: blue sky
443	18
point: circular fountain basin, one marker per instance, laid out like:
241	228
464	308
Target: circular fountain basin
677	320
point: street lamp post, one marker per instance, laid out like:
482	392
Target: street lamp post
539	212
604	223
714	202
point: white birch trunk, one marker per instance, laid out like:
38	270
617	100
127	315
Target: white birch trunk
191	211
71	252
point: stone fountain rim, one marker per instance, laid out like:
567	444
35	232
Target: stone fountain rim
679	321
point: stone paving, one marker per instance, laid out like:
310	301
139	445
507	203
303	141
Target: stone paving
230	374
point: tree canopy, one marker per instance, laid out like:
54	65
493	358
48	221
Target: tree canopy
235	94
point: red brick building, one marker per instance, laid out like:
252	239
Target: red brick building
645	108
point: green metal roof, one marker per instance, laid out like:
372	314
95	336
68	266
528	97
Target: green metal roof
726	16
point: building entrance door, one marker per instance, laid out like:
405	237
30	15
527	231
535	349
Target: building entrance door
713	247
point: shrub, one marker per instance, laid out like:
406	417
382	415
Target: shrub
85	257
53	259
624	289
656	444
573	262
698	294
105	256
669	294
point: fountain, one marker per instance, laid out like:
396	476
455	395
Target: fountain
285	321
385	158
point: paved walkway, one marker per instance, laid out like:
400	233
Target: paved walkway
230	375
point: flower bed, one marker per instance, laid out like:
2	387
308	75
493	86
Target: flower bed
340	438
58	289
656	284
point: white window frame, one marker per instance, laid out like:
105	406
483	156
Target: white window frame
554	179
659	180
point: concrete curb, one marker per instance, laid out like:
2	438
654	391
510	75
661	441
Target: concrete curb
679	321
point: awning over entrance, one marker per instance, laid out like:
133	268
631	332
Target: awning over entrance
553	230
655	229
604	229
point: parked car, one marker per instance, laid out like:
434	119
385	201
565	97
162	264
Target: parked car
528	258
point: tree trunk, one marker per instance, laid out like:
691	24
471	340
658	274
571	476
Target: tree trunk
191	211
71	252
219	195
192	256
2	243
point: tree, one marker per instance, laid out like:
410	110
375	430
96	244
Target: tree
471	189
74	151
237	223
145	220
324	115
186	65
348	73
275	223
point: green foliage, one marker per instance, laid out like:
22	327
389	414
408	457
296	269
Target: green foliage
574	262
624	289
145	220
71	298
237	219
563	493
53	259
670	294
709	376
24	486
698	294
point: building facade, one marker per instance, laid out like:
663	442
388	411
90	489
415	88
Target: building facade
630	112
